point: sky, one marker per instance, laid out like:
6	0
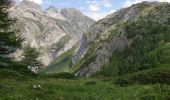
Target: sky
95	9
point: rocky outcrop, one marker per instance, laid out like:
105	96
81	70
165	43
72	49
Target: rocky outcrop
81	50
77	18
46	29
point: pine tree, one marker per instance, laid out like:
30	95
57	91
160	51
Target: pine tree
9	41
30	57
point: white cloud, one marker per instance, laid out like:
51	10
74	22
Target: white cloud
62	3
91	2
40	2
107	4
37	1
131	2
99	15
94	7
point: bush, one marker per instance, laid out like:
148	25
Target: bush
10	74
90	83
153	76
63	75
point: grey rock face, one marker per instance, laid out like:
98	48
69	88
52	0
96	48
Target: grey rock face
117	43
107	42
77	18
44	29
81	50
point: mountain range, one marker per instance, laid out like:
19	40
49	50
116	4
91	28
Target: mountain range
72	42
114	43
53	31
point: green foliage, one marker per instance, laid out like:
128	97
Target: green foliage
63	75
147	49
60	45
151	76
89	57
11	74
30	57
62	63
78	89
91	83
110	69
9	41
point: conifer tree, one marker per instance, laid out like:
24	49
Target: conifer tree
30	57
9	40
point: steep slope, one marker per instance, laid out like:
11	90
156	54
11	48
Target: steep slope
77	18
49	31
129	40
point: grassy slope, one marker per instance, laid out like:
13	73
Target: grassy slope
60	64
77	89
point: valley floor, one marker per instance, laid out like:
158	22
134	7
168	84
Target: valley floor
21	88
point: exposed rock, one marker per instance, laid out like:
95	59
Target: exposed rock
45	29
107	42
79	53
55	13
77	18
36	86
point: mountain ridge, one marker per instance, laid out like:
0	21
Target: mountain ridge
108	36
45	29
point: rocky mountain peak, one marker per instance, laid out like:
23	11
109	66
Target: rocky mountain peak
66	11
78	18
29	4
52	9
54	12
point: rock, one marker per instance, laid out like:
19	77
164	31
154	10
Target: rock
44	29
109	35
29	67
39	86
79	53
36	87
37	99
34	70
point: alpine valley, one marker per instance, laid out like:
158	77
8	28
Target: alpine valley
124	56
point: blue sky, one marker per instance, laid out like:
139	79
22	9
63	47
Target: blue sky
95	9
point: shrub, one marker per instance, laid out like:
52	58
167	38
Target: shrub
10	74
152	76
90	83
63	75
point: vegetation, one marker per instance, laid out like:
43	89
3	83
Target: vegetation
77	89
148	49
31	57
62	63
152	76
141	71
60	45
87	59
9	40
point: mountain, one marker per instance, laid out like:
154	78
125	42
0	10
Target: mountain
130	40
53	31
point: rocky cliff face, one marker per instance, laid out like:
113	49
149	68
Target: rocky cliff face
77	18
109	36
51	31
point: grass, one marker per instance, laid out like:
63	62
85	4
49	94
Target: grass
89	57
60	64
62	89
151	76
57	88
